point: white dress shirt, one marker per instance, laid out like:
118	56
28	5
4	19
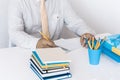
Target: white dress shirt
25	24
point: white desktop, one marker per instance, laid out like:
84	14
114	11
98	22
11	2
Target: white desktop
14	65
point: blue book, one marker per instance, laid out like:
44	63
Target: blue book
111	47
50	70
57	77
36	56
48	74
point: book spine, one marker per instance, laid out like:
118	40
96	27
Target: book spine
58	77
40	77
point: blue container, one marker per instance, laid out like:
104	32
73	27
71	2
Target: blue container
94	56
107	50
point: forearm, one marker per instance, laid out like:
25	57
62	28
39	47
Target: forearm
22	39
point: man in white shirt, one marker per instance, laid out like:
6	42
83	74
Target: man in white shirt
25	23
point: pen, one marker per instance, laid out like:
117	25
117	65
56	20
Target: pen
44	36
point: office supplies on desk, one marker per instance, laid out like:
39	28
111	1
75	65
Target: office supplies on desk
49	63
89	44
111	47
94	51
49	73
55	77
93	42
94	56
96	43
52	55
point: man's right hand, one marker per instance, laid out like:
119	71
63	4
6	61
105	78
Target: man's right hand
43	43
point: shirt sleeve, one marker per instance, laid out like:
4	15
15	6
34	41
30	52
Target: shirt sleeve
74	22
16	25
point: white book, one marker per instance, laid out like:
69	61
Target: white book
52	55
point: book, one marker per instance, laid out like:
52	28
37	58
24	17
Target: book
52	55
51	70
50	63
57	77
49	74
38	60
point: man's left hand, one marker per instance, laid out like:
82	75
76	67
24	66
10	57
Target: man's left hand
85	37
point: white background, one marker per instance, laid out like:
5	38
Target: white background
101	15
3	23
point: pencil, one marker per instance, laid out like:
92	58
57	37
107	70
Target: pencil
44	36
89	44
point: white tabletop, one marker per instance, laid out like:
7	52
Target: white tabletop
14	65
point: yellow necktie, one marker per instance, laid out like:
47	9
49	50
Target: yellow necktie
44	18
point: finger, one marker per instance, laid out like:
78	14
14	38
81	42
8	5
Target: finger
82	40
51	44
46	46
84	43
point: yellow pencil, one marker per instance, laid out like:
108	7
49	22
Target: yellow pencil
44	36
89	44
92	42
97	45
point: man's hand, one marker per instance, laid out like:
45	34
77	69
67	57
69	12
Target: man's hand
85	37
43	43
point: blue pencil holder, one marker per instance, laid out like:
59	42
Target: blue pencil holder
94	56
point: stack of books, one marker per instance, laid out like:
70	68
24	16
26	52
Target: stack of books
50	64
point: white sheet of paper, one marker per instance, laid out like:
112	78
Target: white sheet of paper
69	44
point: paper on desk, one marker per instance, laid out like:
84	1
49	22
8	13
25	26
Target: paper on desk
74	43
69	44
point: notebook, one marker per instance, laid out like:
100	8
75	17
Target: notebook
52	55
48	70
49	74
56	77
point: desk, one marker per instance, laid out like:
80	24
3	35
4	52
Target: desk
14	65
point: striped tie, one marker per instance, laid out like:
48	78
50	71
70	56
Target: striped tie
44	19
